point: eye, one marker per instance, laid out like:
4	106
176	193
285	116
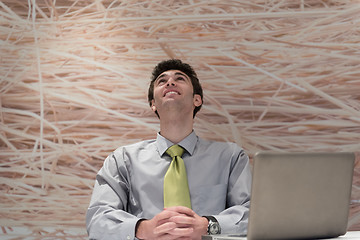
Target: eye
161	81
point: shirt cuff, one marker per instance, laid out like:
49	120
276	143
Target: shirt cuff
232	224
130	227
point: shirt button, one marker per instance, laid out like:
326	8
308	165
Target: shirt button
128	237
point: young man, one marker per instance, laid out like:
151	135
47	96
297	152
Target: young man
129	200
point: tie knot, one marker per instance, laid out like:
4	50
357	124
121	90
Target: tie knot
175	150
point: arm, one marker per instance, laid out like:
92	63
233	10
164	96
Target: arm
107	216
234	219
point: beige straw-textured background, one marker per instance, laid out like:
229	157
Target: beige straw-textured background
277	75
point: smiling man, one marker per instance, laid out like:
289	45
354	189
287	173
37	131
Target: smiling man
177	186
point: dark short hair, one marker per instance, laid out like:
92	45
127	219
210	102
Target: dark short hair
175	64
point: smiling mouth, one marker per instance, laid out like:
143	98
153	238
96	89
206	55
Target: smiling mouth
171	93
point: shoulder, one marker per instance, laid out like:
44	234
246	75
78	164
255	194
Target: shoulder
222	154
224	146
134	148
123	155
228	150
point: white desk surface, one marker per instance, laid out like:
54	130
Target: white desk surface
352	235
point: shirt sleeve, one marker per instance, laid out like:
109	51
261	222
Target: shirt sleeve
107	216
234	219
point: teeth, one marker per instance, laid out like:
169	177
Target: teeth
171	92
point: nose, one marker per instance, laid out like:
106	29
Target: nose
171	82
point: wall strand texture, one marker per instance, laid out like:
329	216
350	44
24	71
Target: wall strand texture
277	75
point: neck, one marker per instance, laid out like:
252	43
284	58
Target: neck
174	128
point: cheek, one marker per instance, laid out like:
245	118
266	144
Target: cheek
157	93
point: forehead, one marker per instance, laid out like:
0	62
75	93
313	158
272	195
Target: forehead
172	73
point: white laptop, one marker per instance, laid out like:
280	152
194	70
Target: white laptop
298	196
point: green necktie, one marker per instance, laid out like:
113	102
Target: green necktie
176	188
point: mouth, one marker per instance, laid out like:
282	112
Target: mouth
171	92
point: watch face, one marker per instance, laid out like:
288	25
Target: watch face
214	228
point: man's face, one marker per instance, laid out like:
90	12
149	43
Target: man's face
173	90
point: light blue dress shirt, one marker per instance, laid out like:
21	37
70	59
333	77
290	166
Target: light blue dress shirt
129	186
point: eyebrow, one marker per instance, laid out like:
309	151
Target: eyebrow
176	73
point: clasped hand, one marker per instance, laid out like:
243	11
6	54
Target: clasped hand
173	223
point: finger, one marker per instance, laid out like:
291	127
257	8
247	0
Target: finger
181	209
164	228
183	219
162	221
172	237
182	231
164	215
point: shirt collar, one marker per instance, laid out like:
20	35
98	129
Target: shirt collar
188	143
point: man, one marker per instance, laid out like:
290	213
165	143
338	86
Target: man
129	199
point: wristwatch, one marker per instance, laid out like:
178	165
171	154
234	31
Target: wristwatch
213	226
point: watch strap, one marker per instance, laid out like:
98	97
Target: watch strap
212	218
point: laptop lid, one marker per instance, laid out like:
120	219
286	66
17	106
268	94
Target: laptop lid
300	195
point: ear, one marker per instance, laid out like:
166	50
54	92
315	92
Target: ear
197	100
153	105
